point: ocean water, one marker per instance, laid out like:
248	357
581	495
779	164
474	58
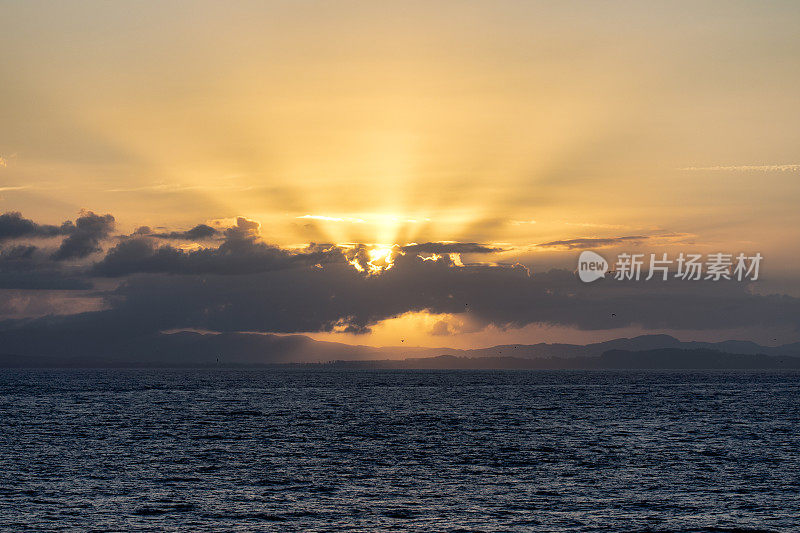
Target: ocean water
266	450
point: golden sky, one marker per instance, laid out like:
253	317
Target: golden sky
512	123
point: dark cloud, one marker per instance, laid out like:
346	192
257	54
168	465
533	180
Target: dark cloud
14	226
27	267
244	284
84	236
577	244
144	255
17	253
450	248
38	280
198	233
239	253
304	298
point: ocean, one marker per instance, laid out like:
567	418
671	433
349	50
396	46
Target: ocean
403	450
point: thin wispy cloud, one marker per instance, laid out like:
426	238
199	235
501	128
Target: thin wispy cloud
750	168
591	242
176	187
333	219
605	242
594	225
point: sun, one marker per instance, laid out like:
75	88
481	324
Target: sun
371	259
380	258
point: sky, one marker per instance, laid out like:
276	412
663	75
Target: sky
382	172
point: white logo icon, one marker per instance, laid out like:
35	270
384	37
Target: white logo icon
591	266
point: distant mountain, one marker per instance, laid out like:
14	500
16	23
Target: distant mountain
665	358
640	343
203	349
643	342
669	358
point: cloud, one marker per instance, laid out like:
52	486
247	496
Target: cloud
303	298
26	304
450	248
243	230
176	187
14	226
198	233
144	255
24	266
240	253
16	253
244	284
334	219
441	329
307	299
579	244
84	236
749	168
594	225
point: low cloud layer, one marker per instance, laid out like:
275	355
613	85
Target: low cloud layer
605	242
240	252
450	248
581	244
238	282
198	233
14	226
83	236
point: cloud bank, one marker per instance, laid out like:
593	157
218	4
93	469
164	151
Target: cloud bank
238	282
